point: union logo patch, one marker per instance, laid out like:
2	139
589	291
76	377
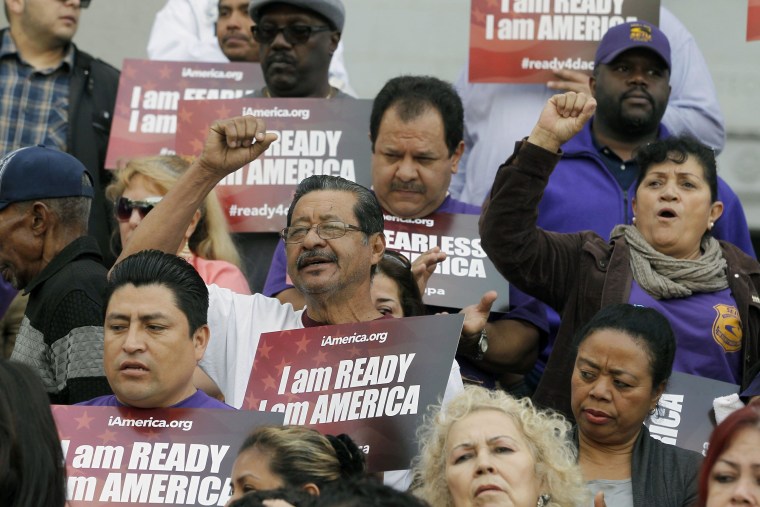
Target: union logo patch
727	328
641	33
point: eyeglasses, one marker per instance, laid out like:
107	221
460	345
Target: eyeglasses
398	257
294	34
325	230
123	207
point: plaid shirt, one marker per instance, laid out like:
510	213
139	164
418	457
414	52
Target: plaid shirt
34	104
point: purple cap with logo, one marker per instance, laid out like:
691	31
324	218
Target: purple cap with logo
39	172
634	34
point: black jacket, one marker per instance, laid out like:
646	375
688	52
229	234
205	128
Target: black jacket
92	95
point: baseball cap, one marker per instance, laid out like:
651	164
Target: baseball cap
634	34
40	172
332	10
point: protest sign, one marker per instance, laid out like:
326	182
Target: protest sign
145	115
118	455
684	415
753	20
525	41
466	274
372	380
315	136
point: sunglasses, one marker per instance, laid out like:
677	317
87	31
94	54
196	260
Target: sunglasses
124	207
294	34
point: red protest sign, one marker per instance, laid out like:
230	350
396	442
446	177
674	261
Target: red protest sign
753	20
525	41
150	457
466	273
371	380
145	116
316	136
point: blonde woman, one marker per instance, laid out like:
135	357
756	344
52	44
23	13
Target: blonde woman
141	184
487	448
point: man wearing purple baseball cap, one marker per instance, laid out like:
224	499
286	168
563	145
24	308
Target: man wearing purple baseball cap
636	34
594	183
45	199
631	84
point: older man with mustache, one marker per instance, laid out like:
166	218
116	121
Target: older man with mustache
415	130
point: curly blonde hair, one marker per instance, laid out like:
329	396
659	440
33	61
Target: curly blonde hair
547	434
211	239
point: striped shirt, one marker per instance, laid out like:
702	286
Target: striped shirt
34	104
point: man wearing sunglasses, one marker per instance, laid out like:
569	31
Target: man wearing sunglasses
57	95
297	39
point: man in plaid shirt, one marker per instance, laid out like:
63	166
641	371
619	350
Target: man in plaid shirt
52	93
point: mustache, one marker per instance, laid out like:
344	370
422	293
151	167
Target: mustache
408	187
276	56
639	91
310	254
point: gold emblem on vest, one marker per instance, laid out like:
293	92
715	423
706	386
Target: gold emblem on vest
727	328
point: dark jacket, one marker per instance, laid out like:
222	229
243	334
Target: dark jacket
577	274
663	472
92	95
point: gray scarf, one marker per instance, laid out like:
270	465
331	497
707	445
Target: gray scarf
665	277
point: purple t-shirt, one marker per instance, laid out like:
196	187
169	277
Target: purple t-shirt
707	329
197	400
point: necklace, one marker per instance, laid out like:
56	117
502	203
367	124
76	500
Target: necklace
329	95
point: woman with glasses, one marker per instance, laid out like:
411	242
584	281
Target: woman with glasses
141	184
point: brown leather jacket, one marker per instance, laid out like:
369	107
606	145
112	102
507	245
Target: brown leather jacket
577	274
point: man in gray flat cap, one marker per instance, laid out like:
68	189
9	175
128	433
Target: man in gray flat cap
297	39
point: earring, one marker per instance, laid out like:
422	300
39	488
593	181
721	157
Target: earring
710	226
186	253
633	220
543	500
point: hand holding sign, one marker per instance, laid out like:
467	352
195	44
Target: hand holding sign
563	116
233	143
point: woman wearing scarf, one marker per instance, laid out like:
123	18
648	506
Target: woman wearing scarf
666	260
